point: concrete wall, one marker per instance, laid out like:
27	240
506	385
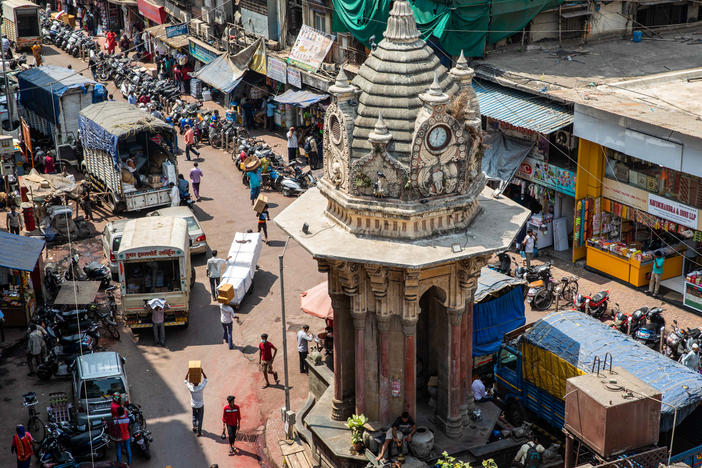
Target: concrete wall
609	21
544	26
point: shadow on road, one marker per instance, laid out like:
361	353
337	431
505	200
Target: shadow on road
201	214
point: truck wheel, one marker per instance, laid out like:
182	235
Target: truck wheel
514	413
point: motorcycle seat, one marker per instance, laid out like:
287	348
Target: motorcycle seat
599	296
84	438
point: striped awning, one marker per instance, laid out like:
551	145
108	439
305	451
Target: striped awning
521	109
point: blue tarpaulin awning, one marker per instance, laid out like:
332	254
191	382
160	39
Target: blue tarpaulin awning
521	109
300	98
41	88
19	252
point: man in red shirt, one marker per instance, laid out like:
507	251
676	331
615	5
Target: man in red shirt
231	419
190	142
122	422
266	354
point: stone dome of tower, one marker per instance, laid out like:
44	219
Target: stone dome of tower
400	68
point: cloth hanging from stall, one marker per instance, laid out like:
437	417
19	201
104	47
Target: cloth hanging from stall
300	98
226	71
503	156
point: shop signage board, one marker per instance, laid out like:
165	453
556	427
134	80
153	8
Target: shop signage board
201	53
155	13
672	211
294	77
177	30
625	194
548	175
276	70
311	46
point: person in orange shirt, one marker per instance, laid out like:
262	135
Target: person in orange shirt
36	52
111	42
190	142
22	447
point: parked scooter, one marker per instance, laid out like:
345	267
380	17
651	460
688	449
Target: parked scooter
93	271
649	333
298	183
85	444
137	428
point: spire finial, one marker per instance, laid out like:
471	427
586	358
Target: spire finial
380	133
402	26
462	63
341	79
435	88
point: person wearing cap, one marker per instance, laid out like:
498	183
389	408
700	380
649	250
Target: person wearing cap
266	355
22	447
231	419
292	145
691	359
197	403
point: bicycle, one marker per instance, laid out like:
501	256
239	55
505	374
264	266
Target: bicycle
35	425
544	295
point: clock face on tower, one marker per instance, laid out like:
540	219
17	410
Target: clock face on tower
438	138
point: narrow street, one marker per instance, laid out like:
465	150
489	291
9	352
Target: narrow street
156	374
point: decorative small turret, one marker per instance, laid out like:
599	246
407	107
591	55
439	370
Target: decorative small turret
342	89
380	136
435	95
463	74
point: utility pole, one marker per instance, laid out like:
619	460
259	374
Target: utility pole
287	415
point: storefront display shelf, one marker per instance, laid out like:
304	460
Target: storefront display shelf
630	270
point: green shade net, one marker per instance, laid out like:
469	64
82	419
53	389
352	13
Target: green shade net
460	25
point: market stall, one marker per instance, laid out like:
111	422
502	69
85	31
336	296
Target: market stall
20	259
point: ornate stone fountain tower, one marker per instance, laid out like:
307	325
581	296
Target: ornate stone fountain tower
401	224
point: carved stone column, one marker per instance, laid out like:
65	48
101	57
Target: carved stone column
465	364
359	325
409	329
468	351
454	423
342	403
383	323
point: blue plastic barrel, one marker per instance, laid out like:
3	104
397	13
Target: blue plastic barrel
637	36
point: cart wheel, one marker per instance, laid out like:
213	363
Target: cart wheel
542	300
37	428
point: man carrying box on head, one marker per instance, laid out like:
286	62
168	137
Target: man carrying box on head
195	381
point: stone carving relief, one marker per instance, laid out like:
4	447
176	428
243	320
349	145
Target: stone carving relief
378	174
336	148
440	155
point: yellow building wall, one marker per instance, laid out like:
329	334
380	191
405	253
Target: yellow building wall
588	180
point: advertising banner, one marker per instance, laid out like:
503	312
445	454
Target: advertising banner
311	46
294	77
177	30
672	211
548	175
276	70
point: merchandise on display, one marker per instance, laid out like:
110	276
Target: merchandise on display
632	252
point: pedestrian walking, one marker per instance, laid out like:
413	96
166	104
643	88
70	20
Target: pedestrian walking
227	317
90	24
312	152
655	283
14	221
528	245
266	354
49	166
303	340
6	47
124	45
36	348
197	403
111	42
122	422
158	307
292	144
22	447
36	52
214	272
175	194
270	114
231	420
263	218
196	176
254	184
87	205
190	142
691	359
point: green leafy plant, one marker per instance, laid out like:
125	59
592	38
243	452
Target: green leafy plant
450	462
356	423
363	180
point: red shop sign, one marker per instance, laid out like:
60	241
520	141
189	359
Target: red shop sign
155	13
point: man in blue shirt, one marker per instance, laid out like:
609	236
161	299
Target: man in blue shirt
255	184
656	274
270	112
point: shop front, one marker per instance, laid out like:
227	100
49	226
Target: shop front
152	12
158	40
531	159
123	15
20	277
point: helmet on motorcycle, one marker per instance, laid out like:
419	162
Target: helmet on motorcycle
117	397
638	315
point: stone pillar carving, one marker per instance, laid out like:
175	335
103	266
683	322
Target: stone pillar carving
383	323
454	423
465	364
359	325
409	329
342	402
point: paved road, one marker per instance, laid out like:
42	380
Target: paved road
156	374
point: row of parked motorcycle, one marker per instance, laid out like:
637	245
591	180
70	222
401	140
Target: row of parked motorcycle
72	41
646	324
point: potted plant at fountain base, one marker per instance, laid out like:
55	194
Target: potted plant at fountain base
356	423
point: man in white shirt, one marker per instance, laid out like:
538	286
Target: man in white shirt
479	391
303	338
292	145
175	195
197	402
530	455
227	317
214	272
528	244
6	47
691	360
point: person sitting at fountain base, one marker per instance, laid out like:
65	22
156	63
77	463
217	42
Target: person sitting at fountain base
400	434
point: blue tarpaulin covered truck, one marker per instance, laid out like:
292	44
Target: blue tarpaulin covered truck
532	370
51	98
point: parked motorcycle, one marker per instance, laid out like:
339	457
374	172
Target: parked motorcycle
298	183
137	428
86	444
595	305
542	293
503	265
93	271
649	333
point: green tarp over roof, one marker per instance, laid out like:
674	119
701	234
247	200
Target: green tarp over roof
466	25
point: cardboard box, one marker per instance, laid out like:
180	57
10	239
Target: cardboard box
194	372
260	204
225	293
69	20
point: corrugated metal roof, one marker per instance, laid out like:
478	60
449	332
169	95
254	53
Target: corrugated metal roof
19	252
521	109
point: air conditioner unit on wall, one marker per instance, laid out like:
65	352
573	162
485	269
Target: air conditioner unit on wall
565	139
185	16
207	15
195	26
219	17
206	31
